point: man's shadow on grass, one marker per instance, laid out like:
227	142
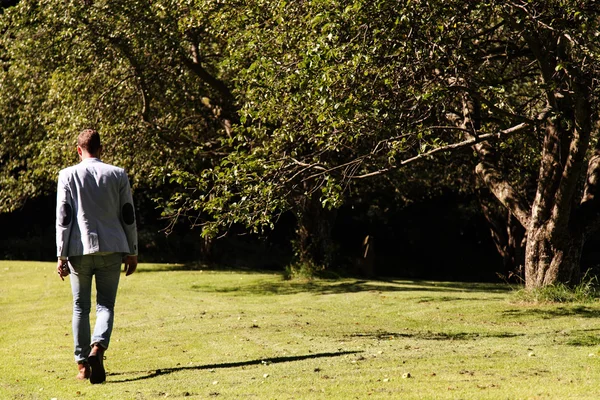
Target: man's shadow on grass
263	361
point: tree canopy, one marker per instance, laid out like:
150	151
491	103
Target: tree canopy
230	113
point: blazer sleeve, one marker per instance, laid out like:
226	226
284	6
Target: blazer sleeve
64	216
128	220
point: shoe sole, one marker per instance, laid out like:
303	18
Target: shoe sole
98	374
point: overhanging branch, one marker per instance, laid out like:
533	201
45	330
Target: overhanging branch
444	149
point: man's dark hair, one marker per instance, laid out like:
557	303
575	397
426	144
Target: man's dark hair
89	140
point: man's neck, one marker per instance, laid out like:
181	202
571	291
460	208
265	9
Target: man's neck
88	156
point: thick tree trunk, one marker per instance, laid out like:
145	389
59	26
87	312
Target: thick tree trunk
555	236
556	232
549	259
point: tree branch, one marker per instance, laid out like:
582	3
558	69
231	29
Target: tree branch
444	149
227	99
491	105
195	65
487	168
574	165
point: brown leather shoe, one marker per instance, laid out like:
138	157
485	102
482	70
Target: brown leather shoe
84	371
96	360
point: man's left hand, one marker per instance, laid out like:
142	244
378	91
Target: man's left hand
131	263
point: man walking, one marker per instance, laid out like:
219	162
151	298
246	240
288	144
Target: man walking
95	233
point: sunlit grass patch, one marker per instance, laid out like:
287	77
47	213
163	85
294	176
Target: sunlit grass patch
202	333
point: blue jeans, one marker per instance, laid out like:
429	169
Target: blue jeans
107	270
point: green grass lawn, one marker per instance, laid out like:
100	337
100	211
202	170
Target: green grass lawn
182	333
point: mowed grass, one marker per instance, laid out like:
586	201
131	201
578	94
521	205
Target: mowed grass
188	333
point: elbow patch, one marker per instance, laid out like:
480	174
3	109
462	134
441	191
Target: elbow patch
66	215
128	214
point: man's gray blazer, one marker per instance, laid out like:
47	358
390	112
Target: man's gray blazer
94	211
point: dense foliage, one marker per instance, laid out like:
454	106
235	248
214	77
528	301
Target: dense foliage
232	112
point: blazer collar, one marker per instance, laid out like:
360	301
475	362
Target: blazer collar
91	159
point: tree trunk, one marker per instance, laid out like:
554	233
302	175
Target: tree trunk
550	260
555	235
556	231
314	246
555	238
508	236
553	249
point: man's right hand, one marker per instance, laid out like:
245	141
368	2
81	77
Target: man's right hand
62	268
131	263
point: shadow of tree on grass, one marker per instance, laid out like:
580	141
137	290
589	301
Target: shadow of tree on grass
323	286
583	338
351	286
436	335
274	360
563	311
